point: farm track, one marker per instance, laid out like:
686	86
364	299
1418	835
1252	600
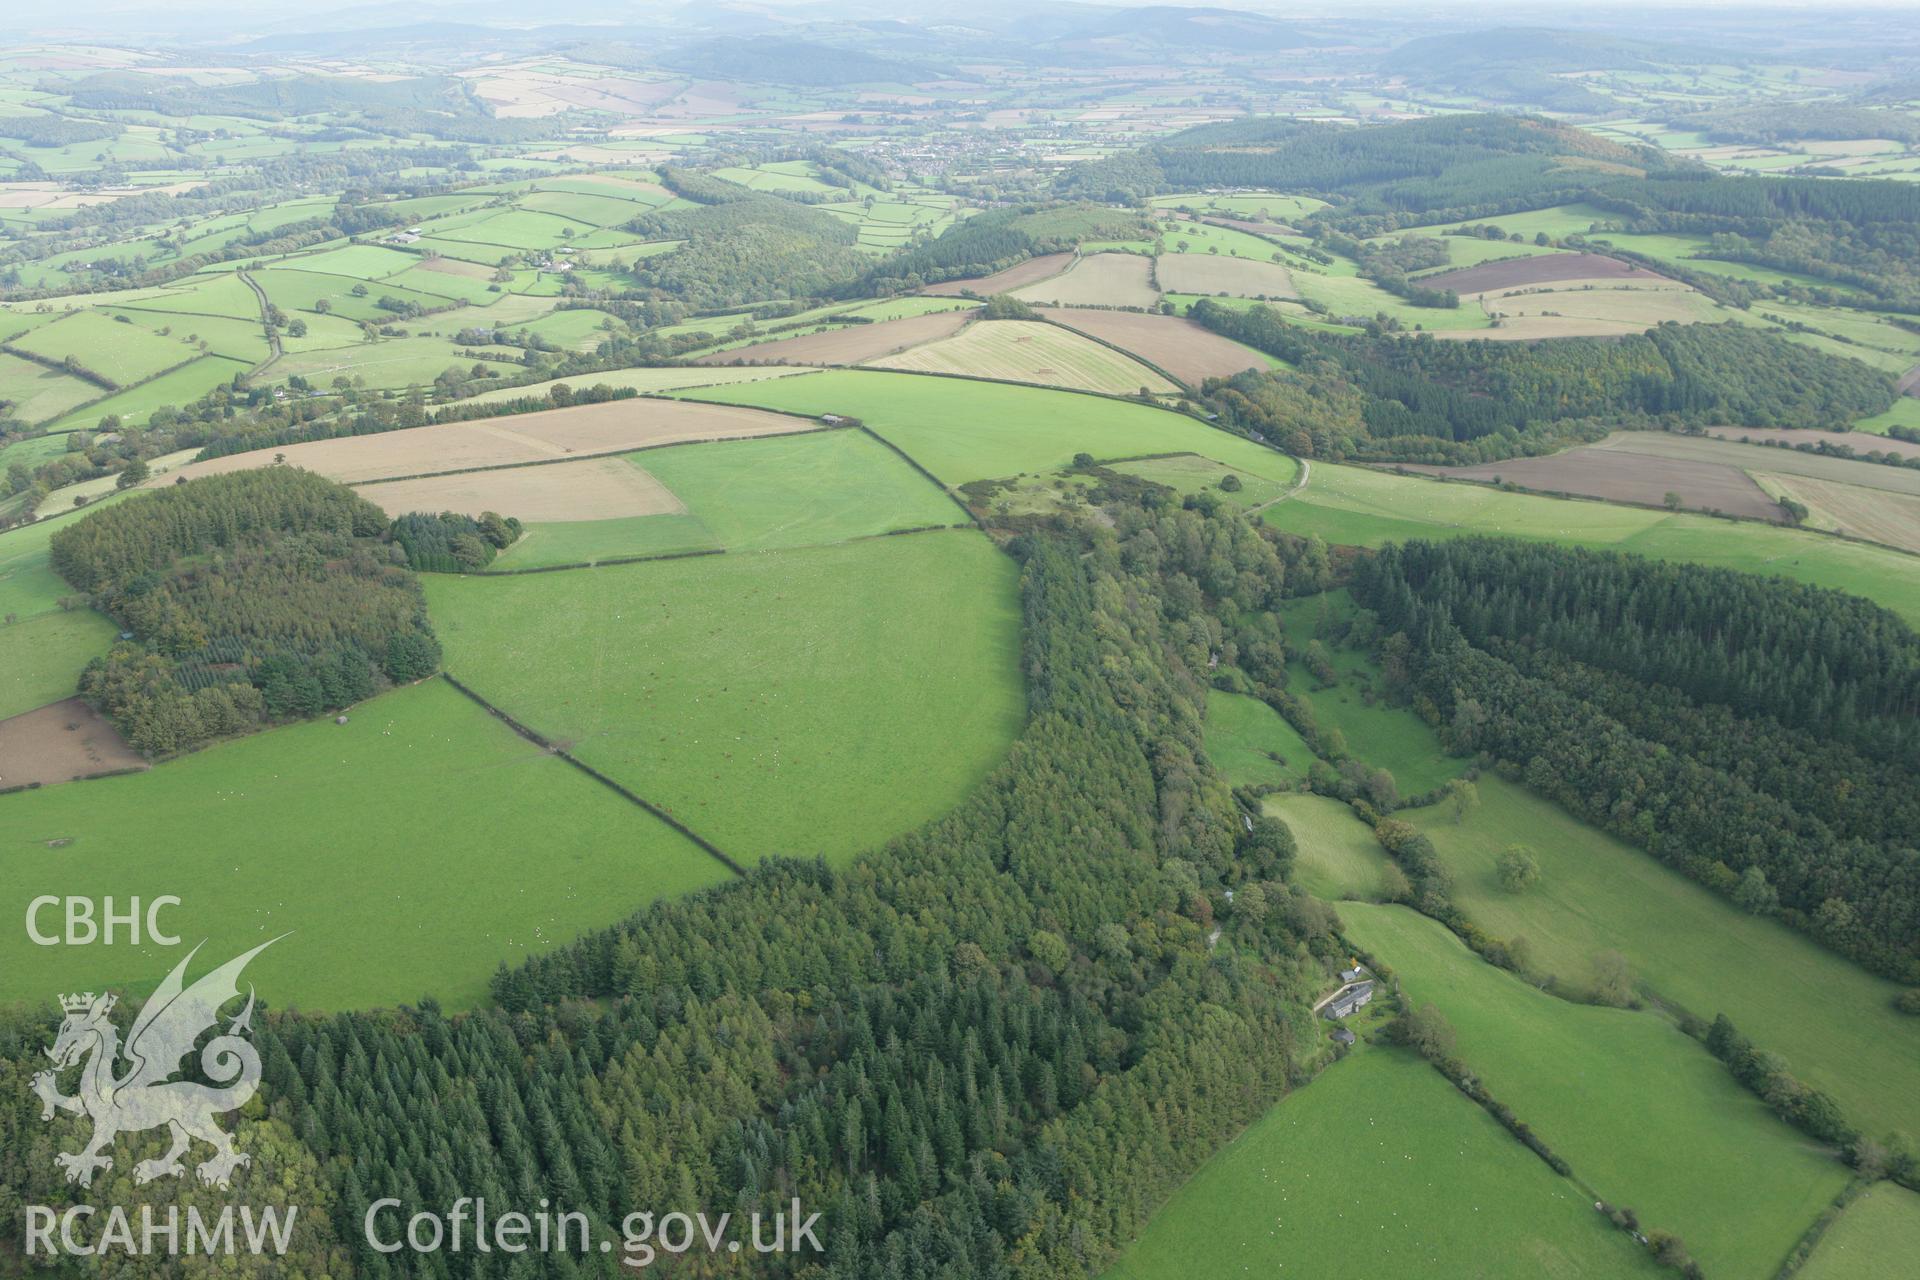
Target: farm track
274	349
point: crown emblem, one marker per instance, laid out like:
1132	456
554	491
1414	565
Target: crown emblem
82	1003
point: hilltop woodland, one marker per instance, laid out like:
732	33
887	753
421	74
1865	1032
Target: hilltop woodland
1755	733
1379	397
258	596
997	1043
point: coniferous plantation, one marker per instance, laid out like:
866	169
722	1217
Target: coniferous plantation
1643	698
1069	642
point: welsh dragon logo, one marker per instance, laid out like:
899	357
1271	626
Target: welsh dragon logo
140	1095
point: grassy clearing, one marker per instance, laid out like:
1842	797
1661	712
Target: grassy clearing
1384	736
1833	1022
1877	1237
1338	856
1030	351
800	702
1244	735
1378	1168
510	851
28	587
1641	1112
1359	507
41	658
1191	473
1905	413
962	430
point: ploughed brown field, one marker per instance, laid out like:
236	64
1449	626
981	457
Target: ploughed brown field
613	427
851	345
1099	280
60	742
1546	268
1019	275
1619	476
590	489
1182	348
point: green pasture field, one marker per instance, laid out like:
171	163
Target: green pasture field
598	210
1356	506
576	330
393	363
1355	296
1905	413
445	287
1243	736
124	353
1832	1021
225	294
1245	208
1204	238
510	852
1378	1168
547	543
241	339
41	657
135	405
963	430
1191	473
1876	1237
1644	1115
299	290
518	229
38	393
799	490
754	495
814	701
368	262
1558	221
1384	736
1337	855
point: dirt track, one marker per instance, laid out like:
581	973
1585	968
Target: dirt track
851	345
60	742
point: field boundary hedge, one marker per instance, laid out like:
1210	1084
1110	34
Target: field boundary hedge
546	744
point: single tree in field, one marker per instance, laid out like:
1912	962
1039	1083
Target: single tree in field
1465	797
1612	979
1672	500
1518	869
